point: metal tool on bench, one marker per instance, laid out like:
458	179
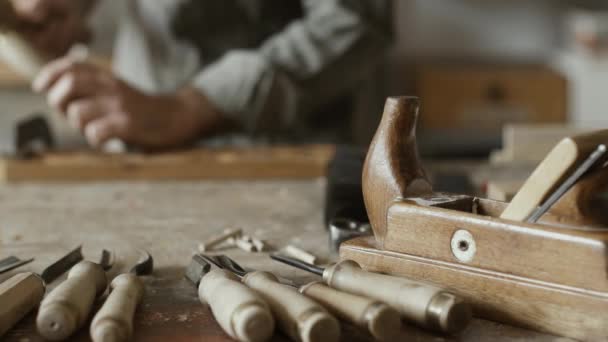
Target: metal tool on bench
425	305
548	275
29	137
114	321
596	160
298	316
11	263
344	229
24	291
68	306
345	215
240	311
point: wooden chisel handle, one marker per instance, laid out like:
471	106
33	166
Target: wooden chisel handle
301	318
114	321
382	321
239	310
426	305
18	296
67	307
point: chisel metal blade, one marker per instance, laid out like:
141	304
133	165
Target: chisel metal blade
107	260
298	264
144	266
229	264
197	268
11	263
62	265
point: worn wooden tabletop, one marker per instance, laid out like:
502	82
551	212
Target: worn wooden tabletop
168	219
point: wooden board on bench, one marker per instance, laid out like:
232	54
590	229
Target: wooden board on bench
198	164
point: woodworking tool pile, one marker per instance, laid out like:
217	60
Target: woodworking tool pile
249	304
66	309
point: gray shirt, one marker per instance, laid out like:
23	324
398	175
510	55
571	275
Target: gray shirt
270	65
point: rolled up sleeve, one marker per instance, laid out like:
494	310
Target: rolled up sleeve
325	54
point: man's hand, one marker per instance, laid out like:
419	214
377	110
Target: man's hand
103	107
52	26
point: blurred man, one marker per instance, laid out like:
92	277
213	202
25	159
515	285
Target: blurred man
186	68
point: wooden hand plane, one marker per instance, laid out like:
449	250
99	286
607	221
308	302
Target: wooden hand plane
550	275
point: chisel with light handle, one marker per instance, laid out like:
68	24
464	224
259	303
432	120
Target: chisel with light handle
67	307
426	305
298	316
23	292
114	321
239	310
379	319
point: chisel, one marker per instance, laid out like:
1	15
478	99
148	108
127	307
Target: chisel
382	321
114	321
239	310
428	306
67	307
298	316
24	291
11	263
379	319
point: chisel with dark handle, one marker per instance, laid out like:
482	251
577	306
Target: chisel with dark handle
68	306
114	321
23	292
426	305
239	310
18	296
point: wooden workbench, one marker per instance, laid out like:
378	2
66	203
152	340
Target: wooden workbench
168	219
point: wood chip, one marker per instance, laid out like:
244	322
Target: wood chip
245	245
299	254
213	242
260	245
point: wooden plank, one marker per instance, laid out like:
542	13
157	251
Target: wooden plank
199	164
563	159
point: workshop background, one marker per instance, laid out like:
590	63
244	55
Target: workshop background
500	83
474	64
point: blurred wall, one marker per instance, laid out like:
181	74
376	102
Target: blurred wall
516	29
